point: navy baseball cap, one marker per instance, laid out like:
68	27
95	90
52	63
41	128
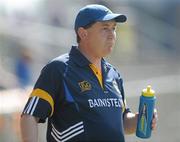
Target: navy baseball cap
96	13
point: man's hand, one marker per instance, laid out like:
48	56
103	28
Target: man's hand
130	122
154	120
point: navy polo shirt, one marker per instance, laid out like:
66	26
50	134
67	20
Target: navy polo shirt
69	94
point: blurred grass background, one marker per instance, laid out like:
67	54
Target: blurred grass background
32	32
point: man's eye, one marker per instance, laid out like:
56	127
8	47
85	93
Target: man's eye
114	29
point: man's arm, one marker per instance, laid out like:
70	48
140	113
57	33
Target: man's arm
29	128
130	122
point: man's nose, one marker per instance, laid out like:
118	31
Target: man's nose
111	34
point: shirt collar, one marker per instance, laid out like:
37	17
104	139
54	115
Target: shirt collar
78	57
81	60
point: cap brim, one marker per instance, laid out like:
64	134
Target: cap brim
117	17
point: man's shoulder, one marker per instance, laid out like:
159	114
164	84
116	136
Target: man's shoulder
57	64
60	59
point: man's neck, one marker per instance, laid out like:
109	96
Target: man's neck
92	58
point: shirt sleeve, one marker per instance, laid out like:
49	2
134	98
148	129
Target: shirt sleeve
121	87
42	99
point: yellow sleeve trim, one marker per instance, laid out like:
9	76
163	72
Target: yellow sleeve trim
45	96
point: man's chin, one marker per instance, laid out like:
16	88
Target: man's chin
107	51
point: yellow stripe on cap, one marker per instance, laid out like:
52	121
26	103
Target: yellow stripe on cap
45	96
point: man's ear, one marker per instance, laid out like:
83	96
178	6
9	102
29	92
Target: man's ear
82	33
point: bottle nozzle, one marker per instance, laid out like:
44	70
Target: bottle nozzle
148	92
148	88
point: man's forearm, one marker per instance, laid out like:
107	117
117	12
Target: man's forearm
130	123
29	128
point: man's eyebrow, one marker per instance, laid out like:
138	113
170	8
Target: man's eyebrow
107	24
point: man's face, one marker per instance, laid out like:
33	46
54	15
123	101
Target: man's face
101	38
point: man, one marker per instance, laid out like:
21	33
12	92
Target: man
80	93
